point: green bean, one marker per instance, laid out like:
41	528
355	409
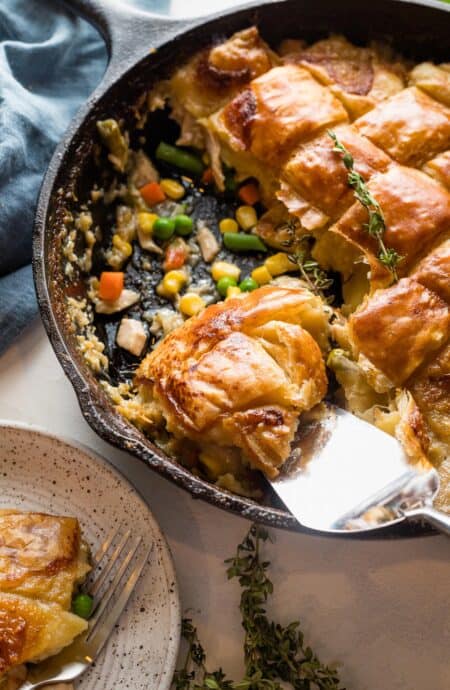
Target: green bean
180	158
241	242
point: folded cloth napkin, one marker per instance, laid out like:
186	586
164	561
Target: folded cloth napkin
49	62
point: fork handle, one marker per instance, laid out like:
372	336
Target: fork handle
433	517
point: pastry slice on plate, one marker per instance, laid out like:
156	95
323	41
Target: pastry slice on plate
42	560
33	630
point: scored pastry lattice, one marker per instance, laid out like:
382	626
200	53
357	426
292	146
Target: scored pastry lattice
267	114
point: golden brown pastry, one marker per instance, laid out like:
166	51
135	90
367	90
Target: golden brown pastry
32	630
359	77
397	329
213	76
439	168
410	126
239	375
278	110
416	211
433	270
41	556
315	176
434	79
42	559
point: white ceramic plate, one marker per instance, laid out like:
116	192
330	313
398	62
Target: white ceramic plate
45	473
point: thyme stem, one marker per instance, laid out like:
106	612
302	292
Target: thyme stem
376	226
273	654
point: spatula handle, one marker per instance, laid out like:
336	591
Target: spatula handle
431	516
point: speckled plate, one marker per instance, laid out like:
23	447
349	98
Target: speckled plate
41	472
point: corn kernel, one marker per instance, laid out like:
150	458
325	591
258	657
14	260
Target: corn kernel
262	275
246	217
191	304
172	189
145	222
172	283
228	225
233	291
223	269
280	263
122	245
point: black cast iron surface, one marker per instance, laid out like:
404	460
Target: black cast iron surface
143	49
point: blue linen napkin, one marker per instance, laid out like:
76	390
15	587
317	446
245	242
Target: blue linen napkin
49	62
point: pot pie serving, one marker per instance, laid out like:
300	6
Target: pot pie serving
42	560
271	227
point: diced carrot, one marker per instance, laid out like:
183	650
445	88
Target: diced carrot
208	176
249	193
111	285
175	256
152	193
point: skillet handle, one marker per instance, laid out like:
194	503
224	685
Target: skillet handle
129	33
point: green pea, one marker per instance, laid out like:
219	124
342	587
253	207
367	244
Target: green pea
183	224
180	158
248	284
224	283
242	242
82	605
163	228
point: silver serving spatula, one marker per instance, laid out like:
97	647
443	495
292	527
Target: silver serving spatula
347	475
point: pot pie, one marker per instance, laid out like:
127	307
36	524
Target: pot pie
230	384
42	560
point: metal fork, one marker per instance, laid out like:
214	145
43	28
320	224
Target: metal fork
104	584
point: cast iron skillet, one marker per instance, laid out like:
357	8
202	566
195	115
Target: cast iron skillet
142	49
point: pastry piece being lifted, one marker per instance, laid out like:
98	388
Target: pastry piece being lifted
42	560
238	376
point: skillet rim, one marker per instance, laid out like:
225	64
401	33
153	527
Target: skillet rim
94	405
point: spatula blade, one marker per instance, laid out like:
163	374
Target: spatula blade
353	462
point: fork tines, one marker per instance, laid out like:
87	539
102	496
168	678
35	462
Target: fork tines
118	565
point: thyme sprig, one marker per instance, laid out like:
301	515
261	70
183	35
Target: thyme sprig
273	653
376	227
314	276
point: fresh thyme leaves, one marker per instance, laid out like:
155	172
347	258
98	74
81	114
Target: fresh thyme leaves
273	654
316	278
376	227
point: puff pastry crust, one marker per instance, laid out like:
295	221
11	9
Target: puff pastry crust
207	81
42	558
239	375
31	630
52	562
433	270
416	211
410	126
279	109
439	168
359	77
398	328
434	79
315	175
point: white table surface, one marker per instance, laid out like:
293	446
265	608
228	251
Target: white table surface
379	608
